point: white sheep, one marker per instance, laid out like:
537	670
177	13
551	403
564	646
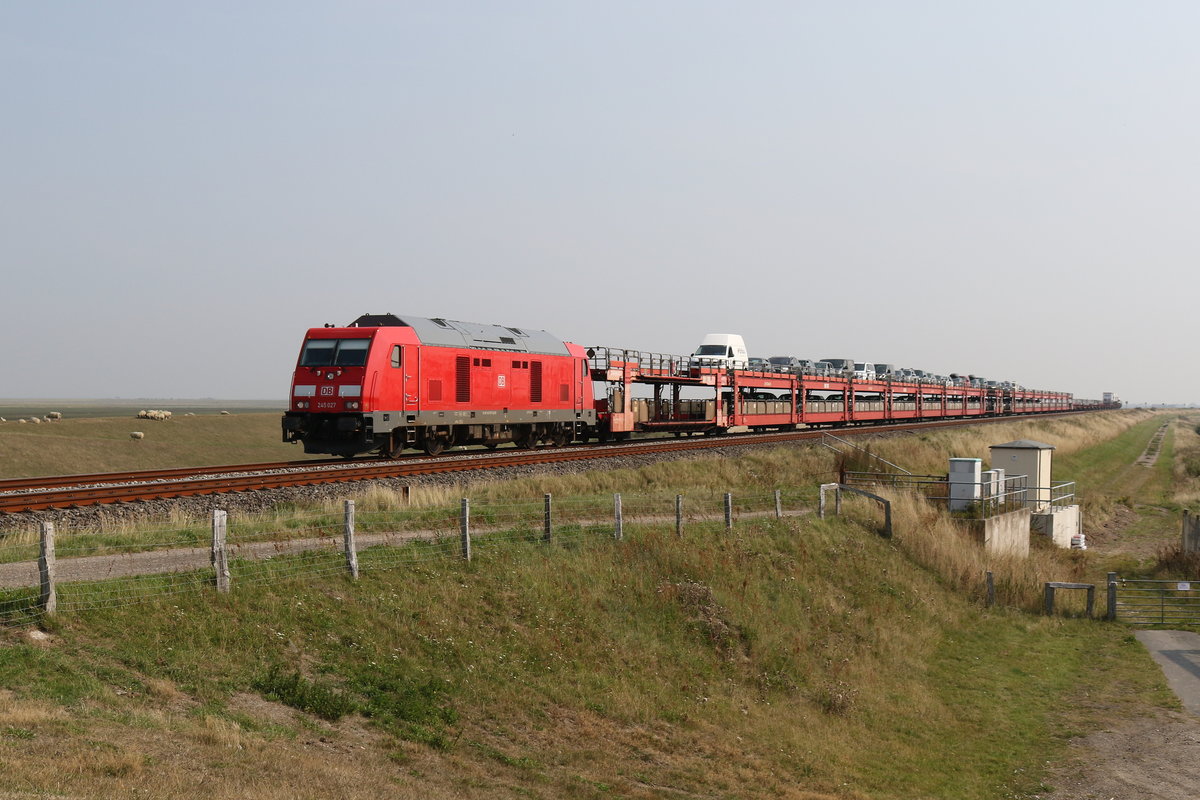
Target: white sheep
35	420
137	435
54	415
225	413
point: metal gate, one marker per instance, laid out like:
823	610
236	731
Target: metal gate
1146	602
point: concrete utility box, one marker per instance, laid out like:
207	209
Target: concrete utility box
965	476
1029	458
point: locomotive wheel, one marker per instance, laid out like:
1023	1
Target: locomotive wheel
394	448
434	441
560	438
525	438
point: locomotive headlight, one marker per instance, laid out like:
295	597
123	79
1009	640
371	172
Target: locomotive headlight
352	405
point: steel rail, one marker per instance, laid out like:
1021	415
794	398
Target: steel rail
16	484
170	484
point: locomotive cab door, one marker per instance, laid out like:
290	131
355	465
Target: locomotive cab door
579	385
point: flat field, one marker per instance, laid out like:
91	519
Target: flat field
96	438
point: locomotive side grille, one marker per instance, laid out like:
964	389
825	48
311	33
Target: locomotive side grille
535	381
462	379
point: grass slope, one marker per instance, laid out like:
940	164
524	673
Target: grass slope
799	658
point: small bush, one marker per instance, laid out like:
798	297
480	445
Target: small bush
1174	562
415	710
300	693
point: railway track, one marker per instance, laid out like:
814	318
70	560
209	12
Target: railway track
39	494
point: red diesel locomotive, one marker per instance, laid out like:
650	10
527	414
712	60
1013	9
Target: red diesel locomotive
385	383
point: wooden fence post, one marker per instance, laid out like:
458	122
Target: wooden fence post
48	597
348	541
619	521
547	521
778	504
678	516
465	528
991	589
728	511
1049	599
220	554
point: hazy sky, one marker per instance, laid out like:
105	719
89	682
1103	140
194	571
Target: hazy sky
1008	189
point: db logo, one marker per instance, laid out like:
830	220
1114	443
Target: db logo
326	391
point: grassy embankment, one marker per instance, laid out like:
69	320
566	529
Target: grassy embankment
796	658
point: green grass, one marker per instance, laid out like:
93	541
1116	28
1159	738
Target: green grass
791	648
798	658
1109	469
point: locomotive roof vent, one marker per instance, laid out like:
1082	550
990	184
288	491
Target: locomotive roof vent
455	333
378	321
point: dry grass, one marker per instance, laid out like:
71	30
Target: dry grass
800	659
1186	466
933	539
1068	435
74	446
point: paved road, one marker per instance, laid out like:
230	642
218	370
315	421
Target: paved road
1178	653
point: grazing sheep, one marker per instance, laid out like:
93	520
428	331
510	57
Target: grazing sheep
35	420
22	420
54	415
154	414
225	413
137	435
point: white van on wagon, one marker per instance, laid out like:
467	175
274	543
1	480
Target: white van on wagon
721	350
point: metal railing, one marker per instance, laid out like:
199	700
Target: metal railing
988	498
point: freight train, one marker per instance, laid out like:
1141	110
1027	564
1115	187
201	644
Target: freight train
385	384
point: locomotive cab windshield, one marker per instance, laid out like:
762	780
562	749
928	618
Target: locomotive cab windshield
335	353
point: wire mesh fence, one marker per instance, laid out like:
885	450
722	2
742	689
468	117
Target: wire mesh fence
45	571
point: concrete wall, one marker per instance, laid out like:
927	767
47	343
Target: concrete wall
1191	533
1004	534
1059	524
